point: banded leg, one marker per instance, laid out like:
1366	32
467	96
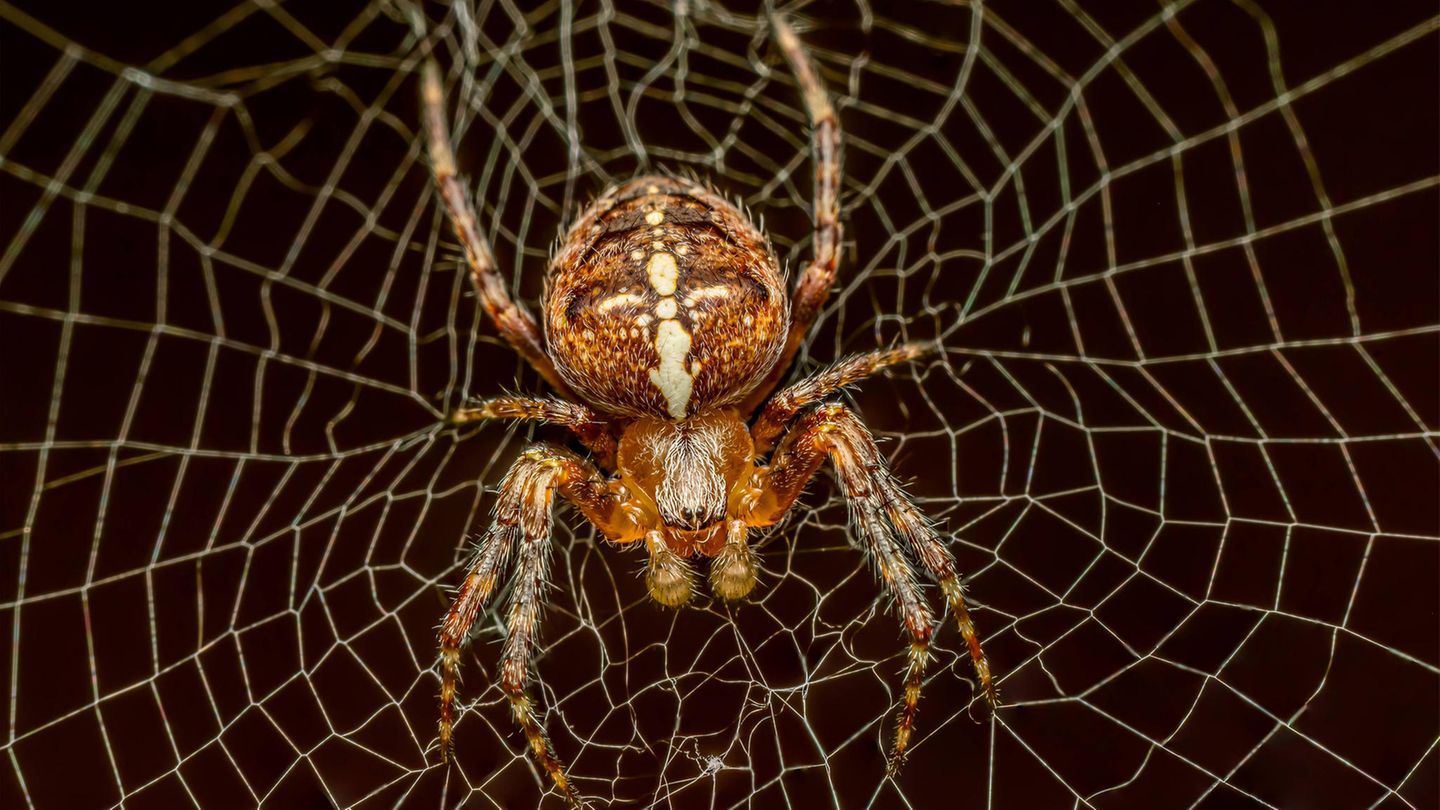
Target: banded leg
521	627
927	546
783	406
514	321
813	286
591	428
522	526
886	517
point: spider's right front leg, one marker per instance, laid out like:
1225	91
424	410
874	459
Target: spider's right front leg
522	526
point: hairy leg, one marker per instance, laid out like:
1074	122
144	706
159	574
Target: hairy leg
783	406
514	321
886	518
591	428
813	286
522	526
912	525
522	623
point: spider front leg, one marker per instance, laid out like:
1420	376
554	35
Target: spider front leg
887	521
522	526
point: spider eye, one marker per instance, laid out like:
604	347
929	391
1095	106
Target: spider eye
694	518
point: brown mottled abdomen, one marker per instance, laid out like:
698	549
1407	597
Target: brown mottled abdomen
665	302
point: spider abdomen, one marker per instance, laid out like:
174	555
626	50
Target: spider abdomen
664	301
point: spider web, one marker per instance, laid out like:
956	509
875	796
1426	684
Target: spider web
1184	435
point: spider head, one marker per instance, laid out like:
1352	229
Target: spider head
688	468
691	492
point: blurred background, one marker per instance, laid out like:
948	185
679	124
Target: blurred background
1182	257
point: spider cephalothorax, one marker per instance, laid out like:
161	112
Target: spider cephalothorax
667	327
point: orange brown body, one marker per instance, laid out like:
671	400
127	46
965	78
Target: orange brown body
654	266
666	328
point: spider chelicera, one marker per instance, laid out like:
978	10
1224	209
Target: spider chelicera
667	327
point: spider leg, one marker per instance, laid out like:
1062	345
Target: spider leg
522	526
925	542
591	428
813	286
514	321
791	400
886	518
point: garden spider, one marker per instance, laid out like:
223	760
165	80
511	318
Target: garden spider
667	326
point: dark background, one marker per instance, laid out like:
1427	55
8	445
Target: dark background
1184	433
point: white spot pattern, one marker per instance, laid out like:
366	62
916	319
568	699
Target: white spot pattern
717	291
618	301
663	273
672	342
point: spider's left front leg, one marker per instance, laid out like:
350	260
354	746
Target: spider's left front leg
522	526
887	522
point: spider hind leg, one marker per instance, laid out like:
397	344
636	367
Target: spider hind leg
812	288
513	320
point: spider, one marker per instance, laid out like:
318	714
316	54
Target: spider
666	329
